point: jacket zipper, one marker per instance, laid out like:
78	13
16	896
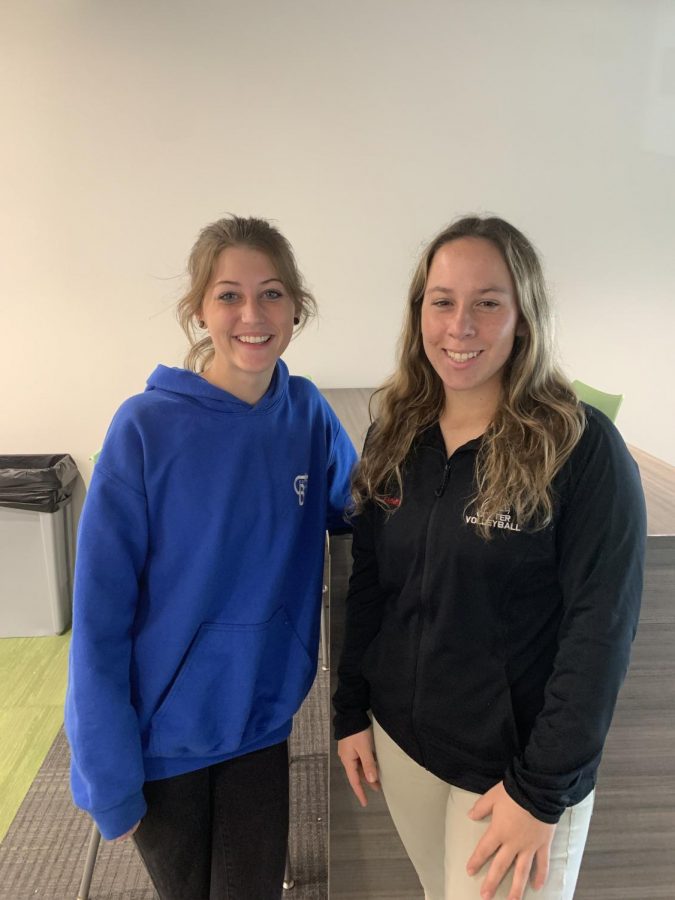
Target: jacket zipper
438	493
440	490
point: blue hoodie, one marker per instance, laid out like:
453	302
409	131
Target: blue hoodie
198	582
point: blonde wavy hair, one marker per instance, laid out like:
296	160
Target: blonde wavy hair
537	424
234	231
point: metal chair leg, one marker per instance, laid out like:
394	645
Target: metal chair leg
289	881
325	608
324	640
85	884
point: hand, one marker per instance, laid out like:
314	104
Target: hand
357	755
515	837
126	834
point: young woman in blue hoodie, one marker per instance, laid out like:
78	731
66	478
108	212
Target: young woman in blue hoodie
198	582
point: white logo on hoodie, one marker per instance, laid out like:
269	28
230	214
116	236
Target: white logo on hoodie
300	487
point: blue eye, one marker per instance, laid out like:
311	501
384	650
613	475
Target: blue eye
227	296
272	294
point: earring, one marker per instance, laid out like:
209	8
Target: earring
201	323
296	320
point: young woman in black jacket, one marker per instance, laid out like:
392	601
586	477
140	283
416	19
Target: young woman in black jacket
498	554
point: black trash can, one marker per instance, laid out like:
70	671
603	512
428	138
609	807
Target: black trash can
36	544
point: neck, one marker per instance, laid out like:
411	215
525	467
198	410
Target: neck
247	387
470	410
464	418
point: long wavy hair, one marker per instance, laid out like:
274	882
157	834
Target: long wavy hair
538	421
234	231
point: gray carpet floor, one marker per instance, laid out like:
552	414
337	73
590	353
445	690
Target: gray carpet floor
43	853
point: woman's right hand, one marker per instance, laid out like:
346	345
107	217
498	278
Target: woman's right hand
357	755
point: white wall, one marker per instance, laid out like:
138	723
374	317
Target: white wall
361	127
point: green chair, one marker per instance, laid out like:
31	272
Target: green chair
609	404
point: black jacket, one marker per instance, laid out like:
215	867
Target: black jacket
501	659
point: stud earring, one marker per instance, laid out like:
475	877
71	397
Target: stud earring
296	320
201	323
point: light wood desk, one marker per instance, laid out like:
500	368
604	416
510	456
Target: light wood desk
658	483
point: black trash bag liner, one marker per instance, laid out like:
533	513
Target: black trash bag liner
41	483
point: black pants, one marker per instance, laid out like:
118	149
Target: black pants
219	833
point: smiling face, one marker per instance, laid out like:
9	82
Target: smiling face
249	315
469	318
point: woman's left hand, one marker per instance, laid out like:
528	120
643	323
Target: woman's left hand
514	837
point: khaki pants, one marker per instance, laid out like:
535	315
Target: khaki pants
431	819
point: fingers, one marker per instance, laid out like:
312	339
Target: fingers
357	756
356	775
496	872
521	873
485	847
499	868
354	772
514	837
369	768
481	808
526	866
541	866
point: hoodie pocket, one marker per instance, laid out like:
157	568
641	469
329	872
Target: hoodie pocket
236	684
